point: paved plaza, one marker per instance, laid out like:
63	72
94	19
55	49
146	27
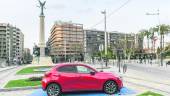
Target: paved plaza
139	78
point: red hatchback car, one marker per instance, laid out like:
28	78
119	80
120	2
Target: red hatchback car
79	77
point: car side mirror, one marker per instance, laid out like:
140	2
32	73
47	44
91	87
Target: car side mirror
92	73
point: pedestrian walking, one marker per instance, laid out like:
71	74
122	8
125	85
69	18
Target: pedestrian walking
144	59
124	68
151	60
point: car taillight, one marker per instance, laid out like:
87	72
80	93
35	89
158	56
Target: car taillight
47	74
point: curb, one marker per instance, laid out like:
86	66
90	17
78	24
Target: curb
19	88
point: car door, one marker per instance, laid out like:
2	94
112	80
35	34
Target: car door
87	81
68	77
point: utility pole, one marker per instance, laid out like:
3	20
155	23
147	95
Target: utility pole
159	31
104	13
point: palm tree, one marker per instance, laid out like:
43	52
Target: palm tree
141	35
164	30
152	37
146	33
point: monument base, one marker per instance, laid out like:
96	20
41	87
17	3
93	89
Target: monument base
42	61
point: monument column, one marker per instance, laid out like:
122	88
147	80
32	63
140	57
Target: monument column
42	36
42	33
42	60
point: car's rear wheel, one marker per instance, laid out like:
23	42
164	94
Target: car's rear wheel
53	89
110	87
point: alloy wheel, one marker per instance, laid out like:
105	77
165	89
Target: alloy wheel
53	90
110	87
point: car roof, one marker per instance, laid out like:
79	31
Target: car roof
65	64
73	63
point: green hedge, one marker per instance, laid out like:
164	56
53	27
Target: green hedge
30	70
22	83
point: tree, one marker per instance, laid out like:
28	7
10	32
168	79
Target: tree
109	55
146	33
164	30
158	50
167	50
152	37
142	33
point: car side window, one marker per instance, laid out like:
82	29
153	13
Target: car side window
83	69
68	69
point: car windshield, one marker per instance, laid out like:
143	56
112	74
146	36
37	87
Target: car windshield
83	69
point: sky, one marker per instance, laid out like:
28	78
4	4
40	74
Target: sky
131	18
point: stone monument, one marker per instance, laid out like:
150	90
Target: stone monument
42	59
41	32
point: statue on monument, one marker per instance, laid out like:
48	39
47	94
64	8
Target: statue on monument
42	4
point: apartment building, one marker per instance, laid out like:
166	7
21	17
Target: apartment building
116	40
92	40
66	40
11	42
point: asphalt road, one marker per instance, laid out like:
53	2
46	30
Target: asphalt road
153	78
150	70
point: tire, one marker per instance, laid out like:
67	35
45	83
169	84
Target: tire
53	89
110	87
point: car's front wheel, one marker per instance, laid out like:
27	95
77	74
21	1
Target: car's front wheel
53	89
110	87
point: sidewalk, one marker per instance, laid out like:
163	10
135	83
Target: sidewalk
17	93
7	68
8	75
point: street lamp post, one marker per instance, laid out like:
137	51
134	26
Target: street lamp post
119	53
158	13
104	12
101	49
